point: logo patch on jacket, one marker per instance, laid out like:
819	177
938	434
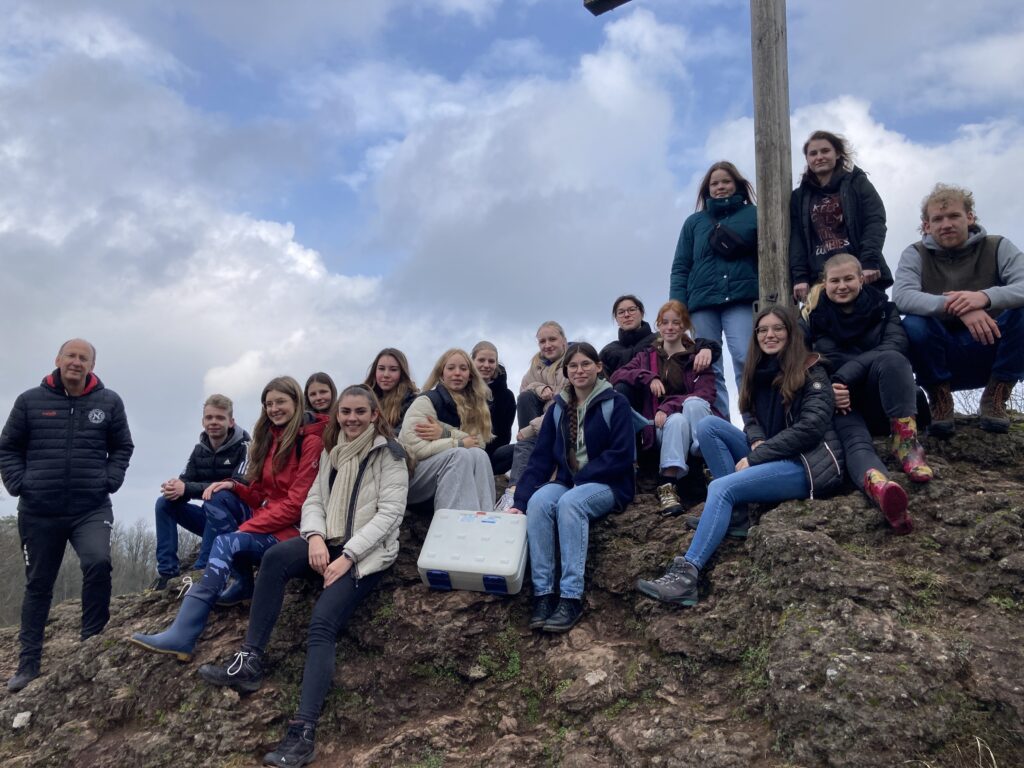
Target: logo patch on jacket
816	385
96	416
49	413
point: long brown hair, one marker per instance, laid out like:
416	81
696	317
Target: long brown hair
262	437
792	359
391	402
471	402
743	187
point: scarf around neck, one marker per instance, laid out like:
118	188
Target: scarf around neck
345	457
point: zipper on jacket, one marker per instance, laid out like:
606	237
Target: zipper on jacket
810	475
67	455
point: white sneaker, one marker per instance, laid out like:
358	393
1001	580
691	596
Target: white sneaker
504	503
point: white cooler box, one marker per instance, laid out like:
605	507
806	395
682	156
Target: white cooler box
479	551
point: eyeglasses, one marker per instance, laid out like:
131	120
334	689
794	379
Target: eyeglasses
778	330
623	311
583	365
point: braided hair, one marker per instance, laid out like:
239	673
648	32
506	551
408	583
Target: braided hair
572	412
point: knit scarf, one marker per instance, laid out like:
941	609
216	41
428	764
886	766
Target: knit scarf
345	457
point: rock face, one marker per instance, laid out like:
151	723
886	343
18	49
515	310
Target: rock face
822	640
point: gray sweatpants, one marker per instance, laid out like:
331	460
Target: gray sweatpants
457	478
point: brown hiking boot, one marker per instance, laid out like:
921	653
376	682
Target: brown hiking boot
992	408
940	398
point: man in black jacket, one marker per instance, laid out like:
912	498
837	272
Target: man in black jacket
221	450
64	450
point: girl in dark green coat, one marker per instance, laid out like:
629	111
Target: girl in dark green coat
714	273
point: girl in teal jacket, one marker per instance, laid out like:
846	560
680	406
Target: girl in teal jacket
714	273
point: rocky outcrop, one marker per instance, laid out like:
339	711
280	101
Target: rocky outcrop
821	640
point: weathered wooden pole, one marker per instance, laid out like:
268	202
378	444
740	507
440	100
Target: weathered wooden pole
771	147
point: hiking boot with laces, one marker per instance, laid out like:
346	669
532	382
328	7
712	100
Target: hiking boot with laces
297	748
678	585
566	615
992	409
908	450
244	672
668	500
940	403
543	607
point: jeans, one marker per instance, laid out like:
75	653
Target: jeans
43	541
723	445
169	515
677	436
501	458
888	388
556	512
939	354
331	613
737	322
858	447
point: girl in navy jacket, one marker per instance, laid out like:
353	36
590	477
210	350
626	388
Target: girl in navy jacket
580	470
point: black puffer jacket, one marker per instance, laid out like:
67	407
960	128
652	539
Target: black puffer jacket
617	353
206	465
63	455
808	435
503	411
851	342
864	215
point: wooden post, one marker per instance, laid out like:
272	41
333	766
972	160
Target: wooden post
772	148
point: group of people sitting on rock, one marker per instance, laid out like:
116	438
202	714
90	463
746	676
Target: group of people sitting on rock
321	487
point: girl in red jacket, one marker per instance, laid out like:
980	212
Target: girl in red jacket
283	459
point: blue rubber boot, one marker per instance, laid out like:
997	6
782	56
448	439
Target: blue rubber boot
238	591
179	639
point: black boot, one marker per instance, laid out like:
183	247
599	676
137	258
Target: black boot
296	748
27	672
543	607
566	615
244	672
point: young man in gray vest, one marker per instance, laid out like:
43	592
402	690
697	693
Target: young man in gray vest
962	293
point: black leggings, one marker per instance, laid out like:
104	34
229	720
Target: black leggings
290	560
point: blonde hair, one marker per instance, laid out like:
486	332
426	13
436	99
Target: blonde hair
220	401
944	195
471	402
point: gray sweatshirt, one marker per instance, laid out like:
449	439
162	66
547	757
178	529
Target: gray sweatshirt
911	300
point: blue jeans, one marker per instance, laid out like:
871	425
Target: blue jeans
224	512
677	436
737	322
556	512
723	445
939	354
169	515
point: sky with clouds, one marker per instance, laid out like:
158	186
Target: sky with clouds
218	193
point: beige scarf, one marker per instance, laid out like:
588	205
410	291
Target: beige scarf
345	457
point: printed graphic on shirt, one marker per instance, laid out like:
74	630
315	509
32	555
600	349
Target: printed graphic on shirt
829	226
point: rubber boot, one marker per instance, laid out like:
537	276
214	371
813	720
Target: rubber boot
238	591
908	450
890	498
179	640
